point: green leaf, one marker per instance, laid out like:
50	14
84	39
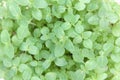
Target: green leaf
22	67
79	28
23	2
86	34
24	46
115	57
104	23
40	4
60	62
46	64
116	49
9	50
23	31
33	50
45	30
81	75
17	77
102	61
7	24
79	6
66	25
77	55
5	37
116	30
88	53
102	76
88	43
61	9
7	62
35	78
86	1
16	41
33	63
37	14
37	32
71	33
11	73
59	32
62	75
113	18
69	17
69	45
27	74
108	47
117	41
16	61
77	39
2	11
24	58
93	20
92	6
39	70
44	37
59	50
90	64
50	76
14	9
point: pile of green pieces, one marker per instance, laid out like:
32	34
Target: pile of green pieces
59	40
